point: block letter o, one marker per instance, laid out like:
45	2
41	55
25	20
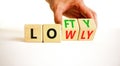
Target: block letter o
48	33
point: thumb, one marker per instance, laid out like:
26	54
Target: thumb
58	16
59	10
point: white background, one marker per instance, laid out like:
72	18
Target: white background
103	51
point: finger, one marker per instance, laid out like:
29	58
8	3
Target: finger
94	16
73	14
95	19
85	11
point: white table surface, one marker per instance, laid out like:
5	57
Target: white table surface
104	50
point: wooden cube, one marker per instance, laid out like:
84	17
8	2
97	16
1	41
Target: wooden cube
70	29
33	33
51	33
87	29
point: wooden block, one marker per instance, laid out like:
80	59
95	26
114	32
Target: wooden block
51	33
87	29
33	33
70	29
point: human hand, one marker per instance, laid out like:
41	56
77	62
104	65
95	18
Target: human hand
71	9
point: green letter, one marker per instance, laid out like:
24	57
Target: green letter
66	23
87	23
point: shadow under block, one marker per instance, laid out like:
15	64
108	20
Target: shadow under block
33	33
87	29
51	33
70	29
